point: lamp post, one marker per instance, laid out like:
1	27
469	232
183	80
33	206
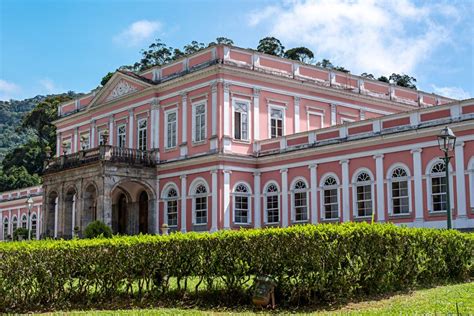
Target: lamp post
29	202
446	141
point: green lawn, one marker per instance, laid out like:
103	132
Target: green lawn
440	300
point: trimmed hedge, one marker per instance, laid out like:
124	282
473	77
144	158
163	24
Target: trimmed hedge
310	264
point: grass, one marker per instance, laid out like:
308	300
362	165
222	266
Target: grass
441	300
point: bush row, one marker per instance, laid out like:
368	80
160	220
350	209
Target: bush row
309	263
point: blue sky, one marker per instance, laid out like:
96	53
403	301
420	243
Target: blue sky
52	46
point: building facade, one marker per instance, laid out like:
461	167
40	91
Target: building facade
229	138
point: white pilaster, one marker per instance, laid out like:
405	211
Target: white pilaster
333	114
76	146
313	184
362	114
130	128
157	207
418	187
183	203
460	180
58	144
227	199
73	214
284	197
111	130
214	140
297	114
214	201
155	123
345	190
257	199
226	111
256	114
184	118
92	141
380	188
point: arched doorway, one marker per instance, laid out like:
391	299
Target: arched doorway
143	213
89	213
122	214
69	212
51	217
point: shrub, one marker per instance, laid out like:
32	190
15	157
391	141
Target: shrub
20	234
97	229
309	263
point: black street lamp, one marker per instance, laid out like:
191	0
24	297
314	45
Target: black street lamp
29	202
446	141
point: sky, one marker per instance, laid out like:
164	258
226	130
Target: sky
54	46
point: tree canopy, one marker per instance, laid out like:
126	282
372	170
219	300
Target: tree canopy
302	54
271	46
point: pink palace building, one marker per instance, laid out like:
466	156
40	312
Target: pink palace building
229	138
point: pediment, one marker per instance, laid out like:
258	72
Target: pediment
119	86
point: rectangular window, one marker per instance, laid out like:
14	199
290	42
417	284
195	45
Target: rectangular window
171	135
201	210
85	141
121	136
301	210
67	147
439	194
241	121
331	207
172	210
142	134
364	200
241	209
276	123
199	122
100	135
400	197
273	212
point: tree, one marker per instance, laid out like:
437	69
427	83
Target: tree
341	69
224	40
106	78
16	178
302	54
271	46
193	47
403	80
383	79
325	63
157	54
367	75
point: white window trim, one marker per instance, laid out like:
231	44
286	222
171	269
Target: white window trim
192	189
292	198
194	105
142	129
234	101
167	112
124	134
338	187
249	204
265	195
409	179
277	107
165	199
428	180
308	113
355	184
24	219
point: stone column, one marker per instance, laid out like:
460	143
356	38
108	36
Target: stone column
214	137
130	128
257	199
58	144
380	188
92	142
226	111
226	198
157	202
314	185
297	114
56	215
183	203
256	114
111	130
184	118
76	147
418	176
214	201
346	208
284	197
73	224
460	180
333	114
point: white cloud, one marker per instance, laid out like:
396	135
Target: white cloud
379	37
137	32
8	90
49	86
452	92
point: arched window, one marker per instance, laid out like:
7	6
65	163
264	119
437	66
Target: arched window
438	187
171	205
330	198
300	201
5	228
272	204
24	221
363	191
399	189
14	224
34	226
241	204
200	204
